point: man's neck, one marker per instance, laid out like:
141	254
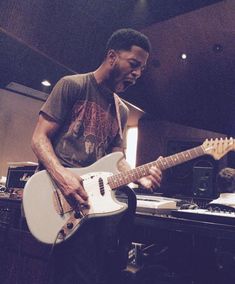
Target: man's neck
101	75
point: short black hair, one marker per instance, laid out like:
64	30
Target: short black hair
124	39
226	180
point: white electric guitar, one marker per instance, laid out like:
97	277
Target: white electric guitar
52	220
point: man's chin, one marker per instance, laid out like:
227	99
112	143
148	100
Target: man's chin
122	88
119	89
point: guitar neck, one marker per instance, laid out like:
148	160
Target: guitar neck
124	178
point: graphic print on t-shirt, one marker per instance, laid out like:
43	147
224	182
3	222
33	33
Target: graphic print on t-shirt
91	130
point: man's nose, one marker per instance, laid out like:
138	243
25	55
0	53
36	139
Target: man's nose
137	72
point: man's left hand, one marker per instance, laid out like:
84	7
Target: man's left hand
153	180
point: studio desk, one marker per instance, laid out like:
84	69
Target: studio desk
193	245
217	223
197	245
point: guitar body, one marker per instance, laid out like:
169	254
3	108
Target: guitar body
42	210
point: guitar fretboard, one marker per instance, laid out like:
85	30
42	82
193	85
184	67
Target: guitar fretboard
127	177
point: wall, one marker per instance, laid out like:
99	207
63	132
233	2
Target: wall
161	138
18	115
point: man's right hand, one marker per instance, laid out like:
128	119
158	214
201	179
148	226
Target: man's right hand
71	187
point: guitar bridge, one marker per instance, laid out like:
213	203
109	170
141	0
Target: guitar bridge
60	203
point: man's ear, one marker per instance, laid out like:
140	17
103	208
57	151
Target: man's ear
111	56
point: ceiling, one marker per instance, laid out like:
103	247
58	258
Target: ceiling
44	39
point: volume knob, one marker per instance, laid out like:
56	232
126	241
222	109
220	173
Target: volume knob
70	226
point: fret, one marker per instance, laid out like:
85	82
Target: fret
171	161
138	172
164	163
145	170
189	155
175	159
131	175
186	155
142	172
195	150
127	177
135	173
121	179
150	165
183	157
160	163
155	163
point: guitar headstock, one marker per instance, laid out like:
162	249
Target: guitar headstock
218	147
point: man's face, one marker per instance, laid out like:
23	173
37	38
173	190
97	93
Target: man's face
127	67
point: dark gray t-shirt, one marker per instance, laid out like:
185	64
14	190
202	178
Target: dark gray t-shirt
87	115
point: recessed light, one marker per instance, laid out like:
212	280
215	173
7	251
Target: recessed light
217	48
46	83
183	56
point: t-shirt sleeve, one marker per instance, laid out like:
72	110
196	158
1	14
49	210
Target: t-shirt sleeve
61	99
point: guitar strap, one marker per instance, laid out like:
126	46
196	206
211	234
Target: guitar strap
117	106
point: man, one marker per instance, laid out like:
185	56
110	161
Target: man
226	181
83	120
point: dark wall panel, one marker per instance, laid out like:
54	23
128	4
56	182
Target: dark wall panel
160	138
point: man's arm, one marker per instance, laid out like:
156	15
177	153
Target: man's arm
69	183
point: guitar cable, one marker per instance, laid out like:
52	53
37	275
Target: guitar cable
48	262
49	258
21	264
